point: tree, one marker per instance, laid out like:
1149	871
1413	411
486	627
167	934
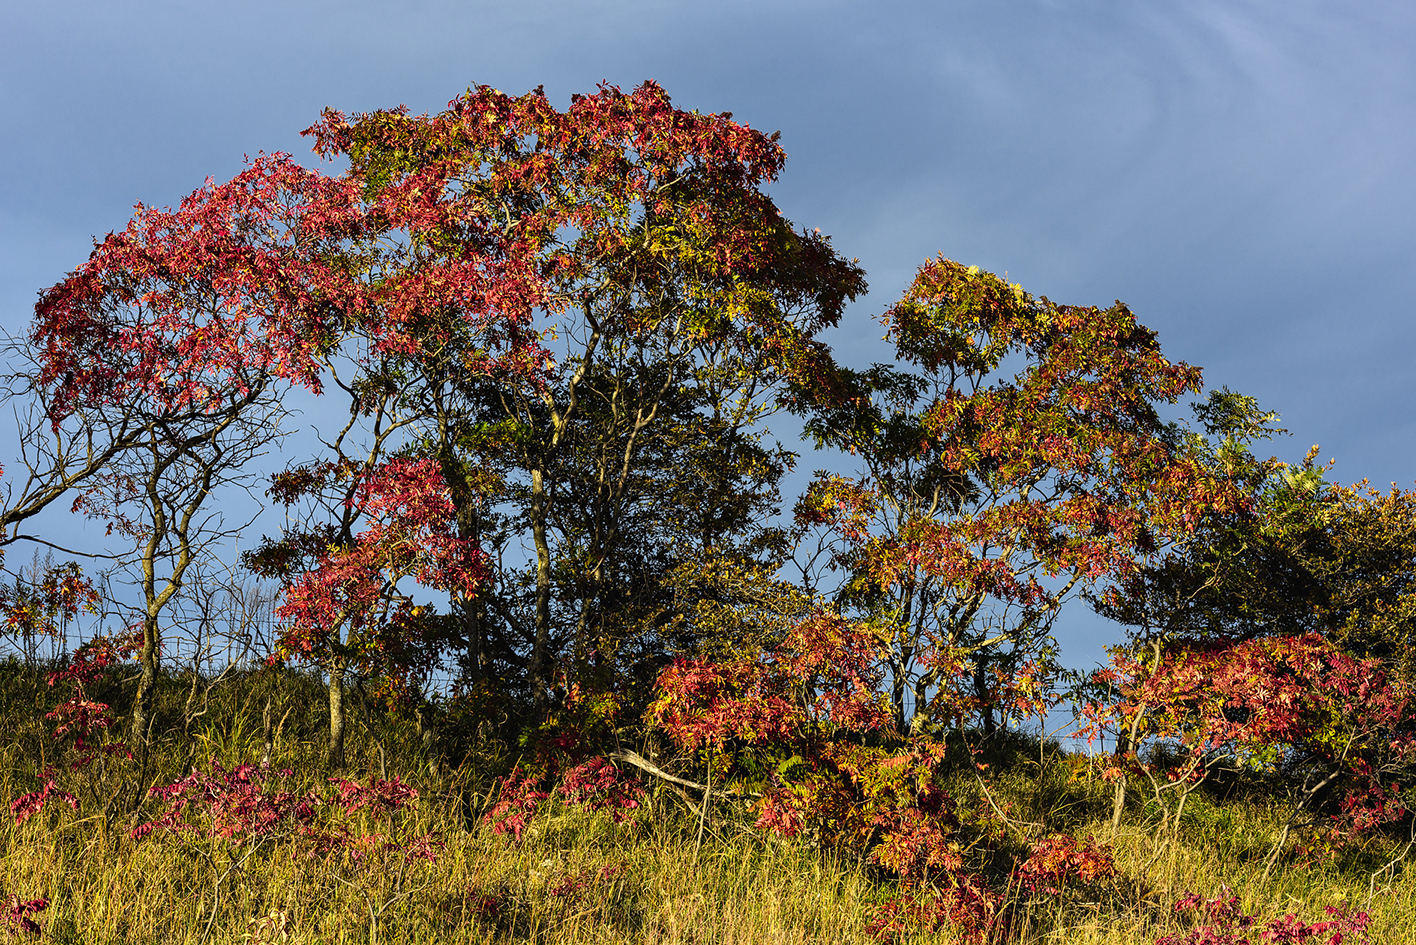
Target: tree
1235	613
45	602
985	501
533	261
345	607
1299	555
1238	573
156	365
1335	725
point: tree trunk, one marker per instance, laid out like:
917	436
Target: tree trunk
985	698
267	741
468	609
1118	800
147	682
540	647
1126	744
335	759
469	612
897	695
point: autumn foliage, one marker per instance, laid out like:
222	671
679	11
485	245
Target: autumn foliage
549	519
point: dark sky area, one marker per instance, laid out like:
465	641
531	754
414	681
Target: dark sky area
1238	172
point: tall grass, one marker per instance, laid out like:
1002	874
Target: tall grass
573	877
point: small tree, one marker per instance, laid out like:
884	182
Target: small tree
165	350
1335	725
986	500
346	605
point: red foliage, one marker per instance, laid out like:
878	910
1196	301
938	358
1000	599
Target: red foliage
238	805
518	796
380	798
583	169
573	888
1263	702
1226	923
598	785
969	909
986	499
824	674
18	912
807	701
80	720
354	589
248	805
592	785
184	307
1061	859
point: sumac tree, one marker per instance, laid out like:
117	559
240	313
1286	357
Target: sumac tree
347	606
1335	725
173	339
1011	458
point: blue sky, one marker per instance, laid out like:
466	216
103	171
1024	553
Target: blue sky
1240	173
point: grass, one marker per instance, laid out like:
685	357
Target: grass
577	877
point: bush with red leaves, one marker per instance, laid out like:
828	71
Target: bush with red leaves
80	722
18	912
1222	921
1061	859
248	805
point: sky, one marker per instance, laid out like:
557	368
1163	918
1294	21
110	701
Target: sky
1239	173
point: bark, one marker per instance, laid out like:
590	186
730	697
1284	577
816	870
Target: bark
540	647
335	758
470	610
147	682
1118	800
897	694
267	741
990	724
647	766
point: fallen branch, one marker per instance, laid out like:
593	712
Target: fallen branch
647	766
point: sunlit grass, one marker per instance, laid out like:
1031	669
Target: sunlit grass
578	877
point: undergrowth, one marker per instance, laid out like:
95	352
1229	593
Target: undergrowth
417	863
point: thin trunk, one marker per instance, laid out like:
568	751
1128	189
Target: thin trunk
153	601
1308	794
162	527
469	610
897	693
921	697
538	669
907	654
267	741
147	682
990	724
540	647
1125	744
1118	799
469	613
335	759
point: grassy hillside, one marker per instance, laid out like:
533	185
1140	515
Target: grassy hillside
431	871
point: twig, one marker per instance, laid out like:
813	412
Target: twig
1372	883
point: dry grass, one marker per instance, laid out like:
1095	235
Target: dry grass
577	877
573	878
